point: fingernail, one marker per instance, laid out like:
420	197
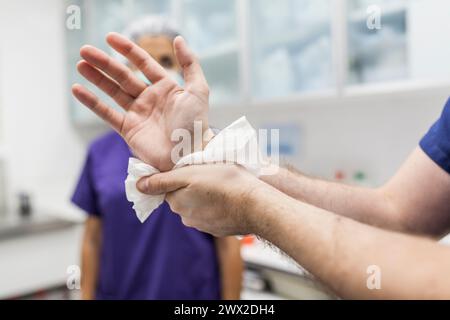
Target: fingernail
142	185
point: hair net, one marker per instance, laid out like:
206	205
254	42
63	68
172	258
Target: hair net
152	25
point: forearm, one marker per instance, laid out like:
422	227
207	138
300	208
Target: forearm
90	256
231	267
369	206
339	251
89	271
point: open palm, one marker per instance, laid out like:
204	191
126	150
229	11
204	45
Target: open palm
153	112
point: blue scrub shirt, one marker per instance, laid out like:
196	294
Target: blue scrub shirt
159	259
436	143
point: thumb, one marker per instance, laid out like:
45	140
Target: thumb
163	182
192	71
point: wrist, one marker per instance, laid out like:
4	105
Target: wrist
198	145
87	295
254	205
264	207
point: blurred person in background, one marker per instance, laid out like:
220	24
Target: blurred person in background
161	258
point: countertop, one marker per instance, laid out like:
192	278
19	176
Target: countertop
13	226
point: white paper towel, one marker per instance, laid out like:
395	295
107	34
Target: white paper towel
237	143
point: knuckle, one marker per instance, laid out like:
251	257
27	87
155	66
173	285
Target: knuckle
187	222
206	90
195	61
151	95
109	114
127	104
161	184
95	104
122	76
141	63
184	221
127	48
114	91
127	80
169	199
174	206
98	80
147	184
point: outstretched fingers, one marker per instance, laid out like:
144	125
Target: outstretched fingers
90	100
116	70
106	84
192	71
137	56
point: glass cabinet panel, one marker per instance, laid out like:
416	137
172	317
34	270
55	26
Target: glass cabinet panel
291	48
210	27
406	46
141	8
377	51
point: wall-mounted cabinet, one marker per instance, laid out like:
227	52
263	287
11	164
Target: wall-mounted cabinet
377	54
254	50
406	48
290	47
212	29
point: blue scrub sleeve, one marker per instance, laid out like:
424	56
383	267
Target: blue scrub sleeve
436	143
85	196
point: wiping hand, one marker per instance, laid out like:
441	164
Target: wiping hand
214	198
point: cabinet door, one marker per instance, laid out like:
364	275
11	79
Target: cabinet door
140	8
291	47
210	27
407	44
377	40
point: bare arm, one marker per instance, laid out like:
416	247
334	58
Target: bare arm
90	254
231	267
339	251
224	200
414	200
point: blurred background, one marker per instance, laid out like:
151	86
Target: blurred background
351	102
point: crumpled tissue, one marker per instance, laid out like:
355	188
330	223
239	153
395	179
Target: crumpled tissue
237	144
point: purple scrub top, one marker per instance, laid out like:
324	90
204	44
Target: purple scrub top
436	143
159	259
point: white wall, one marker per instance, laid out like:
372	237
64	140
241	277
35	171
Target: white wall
36	262
429	52
45	150
374	133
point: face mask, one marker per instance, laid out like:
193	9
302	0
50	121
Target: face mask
172	73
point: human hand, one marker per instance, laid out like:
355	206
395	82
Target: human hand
153	112
217	198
